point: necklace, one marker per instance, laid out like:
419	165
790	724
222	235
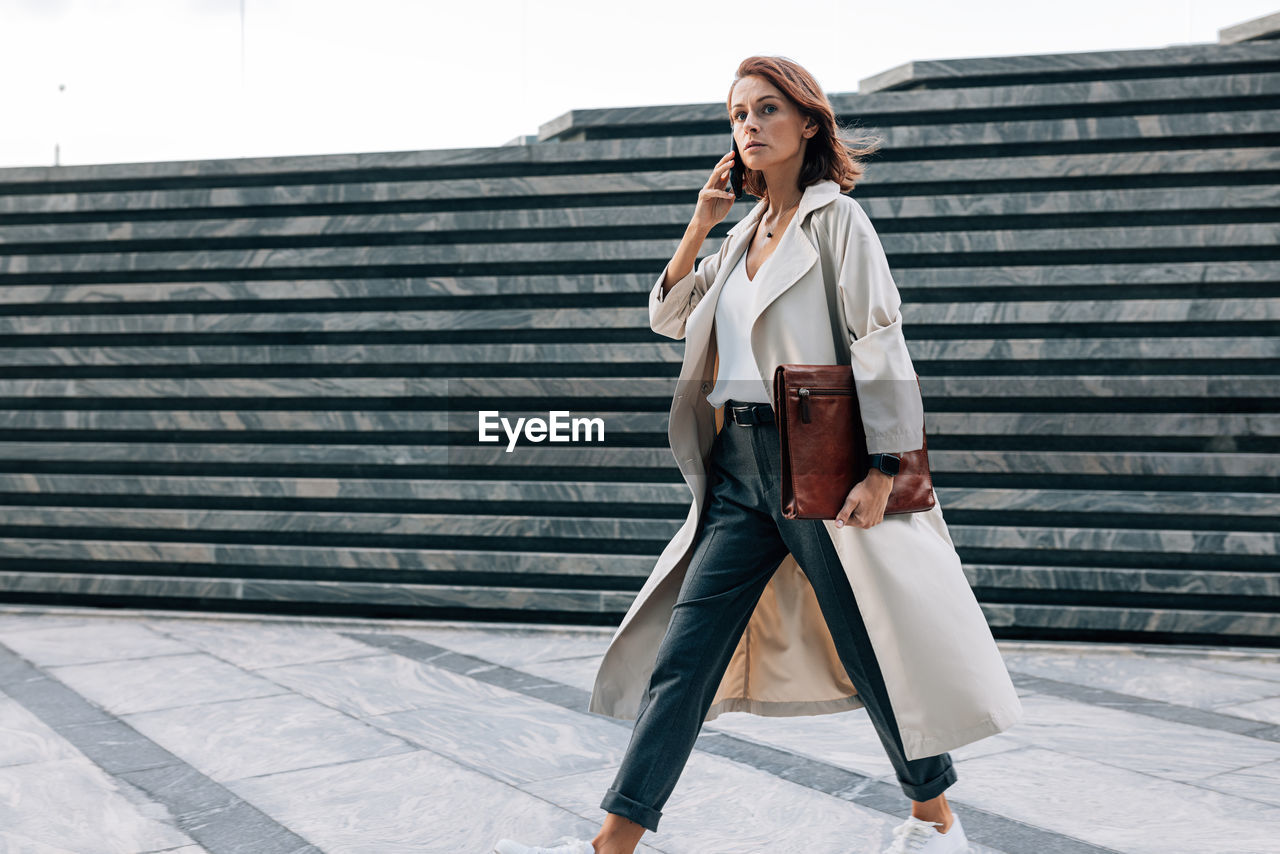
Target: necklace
769	234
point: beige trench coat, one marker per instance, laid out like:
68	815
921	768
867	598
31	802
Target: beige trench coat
944	673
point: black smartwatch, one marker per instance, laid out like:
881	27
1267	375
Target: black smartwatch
887	463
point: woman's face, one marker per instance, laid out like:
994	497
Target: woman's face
762	114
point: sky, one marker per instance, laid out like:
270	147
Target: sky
117	81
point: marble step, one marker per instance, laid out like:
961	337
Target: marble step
669	500
1245	87
943	427
1083	391
1176	62
1216	627
942	176
1044	246
991	355
1253	31
1091	312
1252	550
517	600
399	491
562	216
994	578
616	459
1089	280
1168	547
618	568
523	603
599	572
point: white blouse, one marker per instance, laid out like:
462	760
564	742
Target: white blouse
737	378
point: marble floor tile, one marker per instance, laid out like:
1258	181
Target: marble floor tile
73	805
25	738
412	803
92	641
514	646
21	621
161	682
515	739
243	738
1257	782
578	672
12	841
384	683
1161	748
1259	710
1153	677
1112	807
1265	667
253	646
510	735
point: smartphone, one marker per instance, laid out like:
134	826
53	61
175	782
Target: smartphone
737	172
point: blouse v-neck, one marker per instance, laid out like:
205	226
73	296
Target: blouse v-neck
747	252
745	258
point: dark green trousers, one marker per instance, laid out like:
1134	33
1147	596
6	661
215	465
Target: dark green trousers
741	540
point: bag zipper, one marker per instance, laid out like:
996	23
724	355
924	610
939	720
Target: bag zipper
805	391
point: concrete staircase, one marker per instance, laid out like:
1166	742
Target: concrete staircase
227	384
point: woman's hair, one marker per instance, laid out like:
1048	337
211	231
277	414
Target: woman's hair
830	153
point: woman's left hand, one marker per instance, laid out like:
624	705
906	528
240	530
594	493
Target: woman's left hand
866	502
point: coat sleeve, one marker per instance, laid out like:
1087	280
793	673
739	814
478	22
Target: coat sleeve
888	393
668	314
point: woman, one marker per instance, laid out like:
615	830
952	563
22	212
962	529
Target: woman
749	611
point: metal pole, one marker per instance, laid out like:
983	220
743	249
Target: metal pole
60	112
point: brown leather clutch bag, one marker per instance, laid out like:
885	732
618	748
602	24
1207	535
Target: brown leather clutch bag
824	449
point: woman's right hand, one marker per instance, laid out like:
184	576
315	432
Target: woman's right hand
716	199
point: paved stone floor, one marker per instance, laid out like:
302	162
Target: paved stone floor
124	732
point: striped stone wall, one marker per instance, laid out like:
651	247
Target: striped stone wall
226	384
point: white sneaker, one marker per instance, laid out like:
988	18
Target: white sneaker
916	836
563	845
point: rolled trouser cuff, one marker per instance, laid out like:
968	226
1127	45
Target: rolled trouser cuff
619	804
931	789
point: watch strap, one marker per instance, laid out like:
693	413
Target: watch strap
890	464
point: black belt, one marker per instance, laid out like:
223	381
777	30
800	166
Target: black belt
748	414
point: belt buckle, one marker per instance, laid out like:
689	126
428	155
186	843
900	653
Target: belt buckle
740	414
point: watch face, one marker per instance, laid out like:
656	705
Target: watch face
887	463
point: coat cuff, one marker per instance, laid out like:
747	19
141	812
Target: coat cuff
897	442
888	391
667	313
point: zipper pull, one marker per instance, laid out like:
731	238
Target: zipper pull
804	404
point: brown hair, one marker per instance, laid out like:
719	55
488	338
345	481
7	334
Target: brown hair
830	153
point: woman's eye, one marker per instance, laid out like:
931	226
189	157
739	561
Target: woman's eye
766	106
